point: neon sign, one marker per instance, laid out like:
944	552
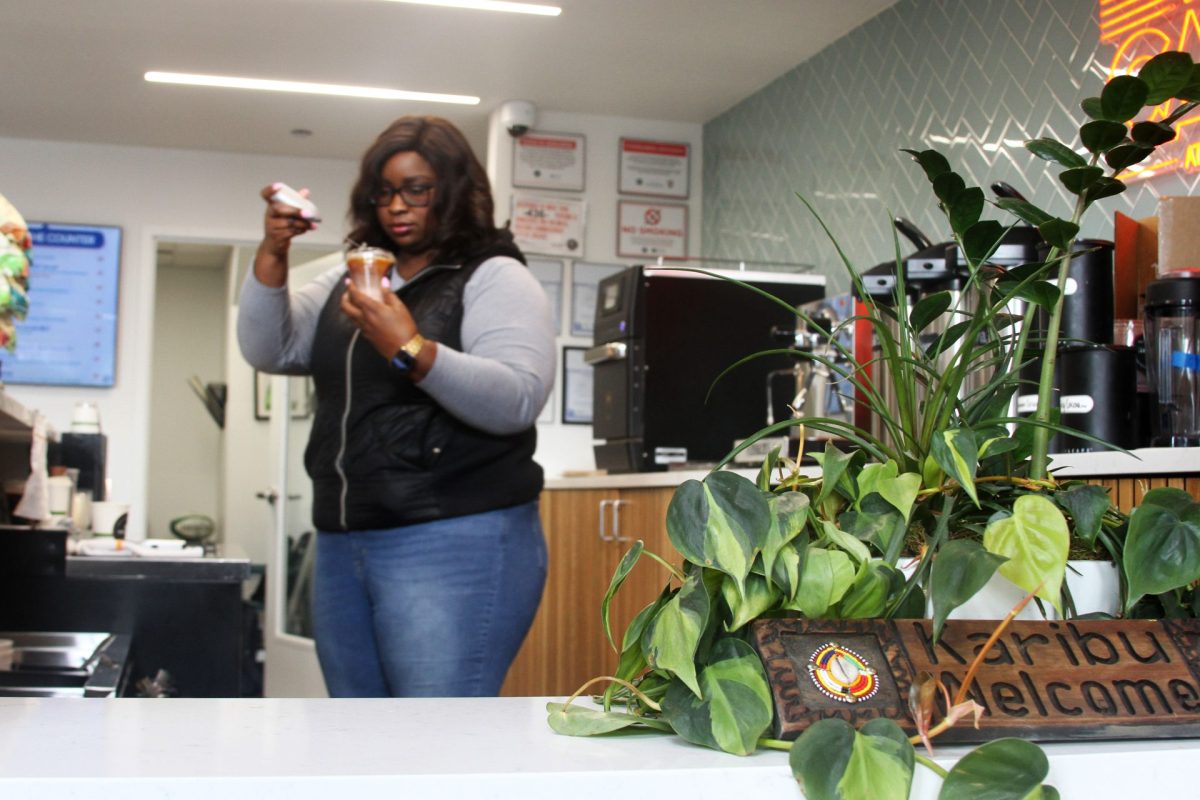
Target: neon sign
1140	30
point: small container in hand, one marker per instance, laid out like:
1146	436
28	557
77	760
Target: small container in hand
367	267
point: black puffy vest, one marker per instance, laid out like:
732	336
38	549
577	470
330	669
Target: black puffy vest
382	453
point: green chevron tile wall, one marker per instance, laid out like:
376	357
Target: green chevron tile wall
972	78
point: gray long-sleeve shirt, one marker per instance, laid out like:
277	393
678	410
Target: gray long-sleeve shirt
497	383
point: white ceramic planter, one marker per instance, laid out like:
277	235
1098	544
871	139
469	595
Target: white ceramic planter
1094	585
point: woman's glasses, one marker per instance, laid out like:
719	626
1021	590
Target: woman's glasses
416	195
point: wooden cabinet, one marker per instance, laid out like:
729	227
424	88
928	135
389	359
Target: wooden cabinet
588	531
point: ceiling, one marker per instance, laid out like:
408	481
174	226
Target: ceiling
79	64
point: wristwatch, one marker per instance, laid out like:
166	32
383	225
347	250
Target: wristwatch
406	359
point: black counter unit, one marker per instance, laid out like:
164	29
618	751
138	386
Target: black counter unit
662	337
185	616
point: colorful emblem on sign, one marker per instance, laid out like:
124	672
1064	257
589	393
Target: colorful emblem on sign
842	674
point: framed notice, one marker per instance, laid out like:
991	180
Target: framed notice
585	279
650	230
656	168
549	273
577	388
551	226
549	161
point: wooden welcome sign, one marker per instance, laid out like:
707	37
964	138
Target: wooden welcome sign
1044	681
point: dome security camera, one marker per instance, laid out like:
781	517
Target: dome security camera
518	116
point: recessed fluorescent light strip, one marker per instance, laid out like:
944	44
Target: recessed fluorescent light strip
336	90
490	5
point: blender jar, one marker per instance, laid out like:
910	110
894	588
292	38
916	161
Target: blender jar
1172	337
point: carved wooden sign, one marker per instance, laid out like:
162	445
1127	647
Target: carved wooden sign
1045	681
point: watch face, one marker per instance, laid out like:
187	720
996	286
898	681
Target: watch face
403	361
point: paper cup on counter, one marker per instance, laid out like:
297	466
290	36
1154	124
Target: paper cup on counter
108	516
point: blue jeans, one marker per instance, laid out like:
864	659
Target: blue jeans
437	609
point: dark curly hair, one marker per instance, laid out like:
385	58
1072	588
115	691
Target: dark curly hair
462	204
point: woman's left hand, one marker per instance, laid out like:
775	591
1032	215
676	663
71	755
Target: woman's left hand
386	322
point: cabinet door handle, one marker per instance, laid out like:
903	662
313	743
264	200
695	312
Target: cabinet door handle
617	537
602	523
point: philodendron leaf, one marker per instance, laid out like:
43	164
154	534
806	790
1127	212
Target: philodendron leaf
789	515
957	454
901	492
785	573
1164	75
833	468
764	472
832	761
832	534
1056	151
671	638
1035	539
759	596
1004	769
867	597
1162	548
961	567
825	577
618	578
1086	505
719	523
734	706
870	476
878	523
1123	97
573	720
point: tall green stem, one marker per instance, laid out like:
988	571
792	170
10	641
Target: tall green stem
1039	459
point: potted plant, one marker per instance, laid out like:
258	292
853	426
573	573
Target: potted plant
953	484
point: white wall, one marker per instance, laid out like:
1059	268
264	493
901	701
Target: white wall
569	447
152	194
185	442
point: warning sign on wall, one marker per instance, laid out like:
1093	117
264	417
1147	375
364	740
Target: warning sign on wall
658	168
650	230
548	225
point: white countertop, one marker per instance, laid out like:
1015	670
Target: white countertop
461	748
1111	463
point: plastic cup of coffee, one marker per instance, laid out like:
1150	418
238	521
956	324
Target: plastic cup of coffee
367	267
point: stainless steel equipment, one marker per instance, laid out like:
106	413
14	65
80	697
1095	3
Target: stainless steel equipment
66	665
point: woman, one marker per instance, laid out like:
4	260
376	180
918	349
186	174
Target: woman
430	558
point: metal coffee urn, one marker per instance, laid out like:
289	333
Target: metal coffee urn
662	336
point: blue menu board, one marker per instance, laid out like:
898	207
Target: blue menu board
69	337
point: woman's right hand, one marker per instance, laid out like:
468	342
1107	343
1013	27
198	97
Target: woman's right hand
282	222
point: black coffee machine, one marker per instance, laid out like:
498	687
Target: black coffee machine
662	337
